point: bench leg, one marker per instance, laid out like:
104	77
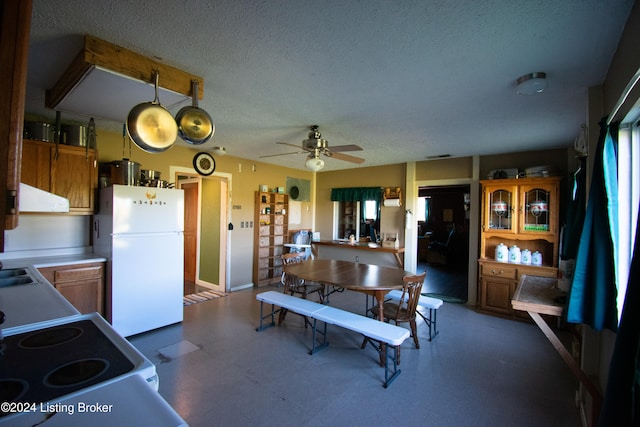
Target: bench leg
263	317
394	374
316	332
431	321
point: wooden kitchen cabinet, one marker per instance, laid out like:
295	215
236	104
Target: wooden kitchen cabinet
516	212
72	173
271	222
81	284
14	51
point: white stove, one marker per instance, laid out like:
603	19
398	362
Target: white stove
62	368
57	369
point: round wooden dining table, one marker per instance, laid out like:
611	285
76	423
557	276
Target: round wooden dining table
366	278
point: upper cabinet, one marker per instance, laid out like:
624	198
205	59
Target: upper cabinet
14	46
70	172
527	207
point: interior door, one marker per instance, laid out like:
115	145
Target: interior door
191	190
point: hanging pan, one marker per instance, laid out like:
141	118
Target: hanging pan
150	126
194	124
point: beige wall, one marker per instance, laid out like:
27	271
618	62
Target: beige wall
391	219
459	167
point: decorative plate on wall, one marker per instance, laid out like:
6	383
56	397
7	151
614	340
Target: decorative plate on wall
204	163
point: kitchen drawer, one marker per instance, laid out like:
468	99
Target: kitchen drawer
77	274
498	270
530	270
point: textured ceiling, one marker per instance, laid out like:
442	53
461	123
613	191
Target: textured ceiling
403	79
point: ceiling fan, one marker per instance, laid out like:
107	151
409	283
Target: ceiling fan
315	146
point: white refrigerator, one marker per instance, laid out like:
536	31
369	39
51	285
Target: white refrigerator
140	231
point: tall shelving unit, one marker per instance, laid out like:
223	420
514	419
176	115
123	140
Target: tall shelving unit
271	231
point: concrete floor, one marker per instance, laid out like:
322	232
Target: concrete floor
215	369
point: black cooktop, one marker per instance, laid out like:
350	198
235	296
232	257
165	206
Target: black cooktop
41	365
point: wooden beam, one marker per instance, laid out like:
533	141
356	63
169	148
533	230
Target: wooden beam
99	53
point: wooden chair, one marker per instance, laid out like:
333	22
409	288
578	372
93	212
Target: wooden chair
293	285
405	309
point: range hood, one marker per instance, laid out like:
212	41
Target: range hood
33	199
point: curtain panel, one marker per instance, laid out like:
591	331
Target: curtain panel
356	194
592	297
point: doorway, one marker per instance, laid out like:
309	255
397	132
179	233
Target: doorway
205	231
443	239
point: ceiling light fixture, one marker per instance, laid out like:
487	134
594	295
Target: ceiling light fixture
531	83
314	162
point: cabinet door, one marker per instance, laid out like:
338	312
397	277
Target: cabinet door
85	295
538	209
15	18
73	175
496	294
500	213
36	164
81	284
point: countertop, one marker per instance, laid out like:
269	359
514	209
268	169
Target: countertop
357	245
39	301
52	260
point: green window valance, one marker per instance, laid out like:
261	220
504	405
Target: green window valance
356	194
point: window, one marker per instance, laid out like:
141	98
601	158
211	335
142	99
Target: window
356	212
628	201
423	209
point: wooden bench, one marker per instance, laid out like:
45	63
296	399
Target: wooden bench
432	304
370	328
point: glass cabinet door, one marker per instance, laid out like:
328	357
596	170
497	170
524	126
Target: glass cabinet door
499	209
536	208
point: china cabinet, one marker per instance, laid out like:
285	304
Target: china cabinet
271	228
521	214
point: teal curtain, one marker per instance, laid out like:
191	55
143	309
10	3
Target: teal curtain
621	406
592	297
575	213
356	194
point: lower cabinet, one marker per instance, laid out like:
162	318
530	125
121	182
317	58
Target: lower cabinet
81	284
498	282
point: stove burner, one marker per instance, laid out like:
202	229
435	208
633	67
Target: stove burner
12	389
77	372
50	337
59	360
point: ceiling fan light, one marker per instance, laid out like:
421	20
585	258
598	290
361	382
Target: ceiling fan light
314	163
531	83
219	151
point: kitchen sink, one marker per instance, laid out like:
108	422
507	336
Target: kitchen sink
15	276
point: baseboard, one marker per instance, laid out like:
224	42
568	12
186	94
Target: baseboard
239	288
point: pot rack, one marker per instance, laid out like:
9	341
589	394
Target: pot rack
106	81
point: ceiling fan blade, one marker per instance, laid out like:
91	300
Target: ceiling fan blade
345	157
282	154
292	145
350	147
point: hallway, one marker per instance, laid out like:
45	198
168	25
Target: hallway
445	281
